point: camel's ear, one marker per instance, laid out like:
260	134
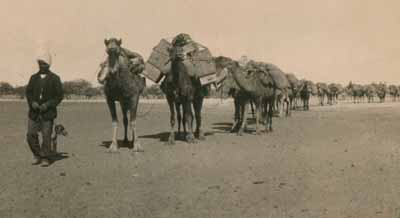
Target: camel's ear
119	42
106	41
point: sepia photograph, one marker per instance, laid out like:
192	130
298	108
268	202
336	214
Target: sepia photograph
200	109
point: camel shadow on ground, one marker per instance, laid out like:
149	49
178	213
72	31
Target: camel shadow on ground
226	127
121	144
163	136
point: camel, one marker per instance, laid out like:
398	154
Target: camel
305	92
356	91
381	91
333	93
187	91
122	83
283	91
175	107
294	90
369	91
241	98
260	86
322	91
394	92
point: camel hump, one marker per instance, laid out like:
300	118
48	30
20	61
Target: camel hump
278	76
134	61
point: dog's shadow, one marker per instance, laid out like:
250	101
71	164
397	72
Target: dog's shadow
59	156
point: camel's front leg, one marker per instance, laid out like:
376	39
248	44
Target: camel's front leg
236	119
244	118
188	120
198	105
179	118
288	105
124	110
257	111
136	144
114	144
269	117
171	138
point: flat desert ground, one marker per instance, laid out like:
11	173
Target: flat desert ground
336	161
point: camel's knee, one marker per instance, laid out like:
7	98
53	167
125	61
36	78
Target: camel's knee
198	116
114	124
125	119
132	124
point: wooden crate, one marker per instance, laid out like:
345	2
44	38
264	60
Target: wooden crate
189	48
203	60
152	73
163	47
203	54
204	68
158	59
208	79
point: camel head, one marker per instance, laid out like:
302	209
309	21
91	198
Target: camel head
113	46
223	73
113	49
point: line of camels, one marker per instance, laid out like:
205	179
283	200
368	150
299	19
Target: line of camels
263	86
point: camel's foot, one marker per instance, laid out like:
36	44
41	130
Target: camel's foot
200	135
113	148
190	138
268	129
180	135
137	147
234	128
258	132
171	139
240	132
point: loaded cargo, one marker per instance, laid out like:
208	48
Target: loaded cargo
200	58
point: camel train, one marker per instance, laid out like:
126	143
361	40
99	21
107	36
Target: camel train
188	70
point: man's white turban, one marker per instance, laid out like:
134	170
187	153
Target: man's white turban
45	57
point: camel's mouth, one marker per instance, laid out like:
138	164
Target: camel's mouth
113	51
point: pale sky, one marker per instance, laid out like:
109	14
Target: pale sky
321	40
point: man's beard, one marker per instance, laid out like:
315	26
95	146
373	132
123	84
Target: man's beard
43	70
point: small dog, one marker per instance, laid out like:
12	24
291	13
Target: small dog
58	130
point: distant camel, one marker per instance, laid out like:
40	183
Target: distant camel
241	98
322	92
357	91
394	92
305	93
260	86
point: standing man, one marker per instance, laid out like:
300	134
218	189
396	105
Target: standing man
44	92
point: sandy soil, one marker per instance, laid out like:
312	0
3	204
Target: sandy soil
338	161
